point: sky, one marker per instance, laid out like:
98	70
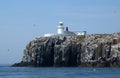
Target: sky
23	20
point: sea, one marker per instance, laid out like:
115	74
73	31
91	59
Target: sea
58	72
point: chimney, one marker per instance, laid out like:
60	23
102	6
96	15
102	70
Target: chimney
66	28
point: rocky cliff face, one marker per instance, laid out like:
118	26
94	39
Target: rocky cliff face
102	50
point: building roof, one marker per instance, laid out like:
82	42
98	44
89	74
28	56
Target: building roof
69	33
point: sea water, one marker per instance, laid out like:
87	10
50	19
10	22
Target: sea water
58	72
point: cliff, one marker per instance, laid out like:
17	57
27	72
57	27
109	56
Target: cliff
101	50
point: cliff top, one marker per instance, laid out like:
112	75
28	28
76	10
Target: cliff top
88	50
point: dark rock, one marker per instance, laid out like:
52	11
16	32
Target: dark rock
98	50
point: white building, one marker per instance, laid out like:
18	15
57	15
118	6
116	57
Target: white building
60	30
48	35
66	32
81	33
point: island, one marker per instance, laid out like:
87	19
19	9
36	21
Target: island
72	49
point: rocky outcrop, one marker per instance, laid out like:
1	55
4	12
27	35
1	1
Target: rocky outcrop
101	50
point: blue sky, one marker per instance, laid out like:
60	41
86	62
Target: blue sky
24	20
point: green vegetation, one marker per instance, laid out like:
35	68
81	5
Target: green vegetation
118	33
80	38
102	35
99	50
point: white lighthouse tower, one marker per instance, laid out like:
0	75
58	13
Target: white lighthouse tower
60	28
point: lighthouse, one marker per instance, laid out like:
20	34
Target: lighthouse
60	28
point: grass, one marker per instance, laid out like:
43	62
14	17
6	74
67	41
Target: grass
80	38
